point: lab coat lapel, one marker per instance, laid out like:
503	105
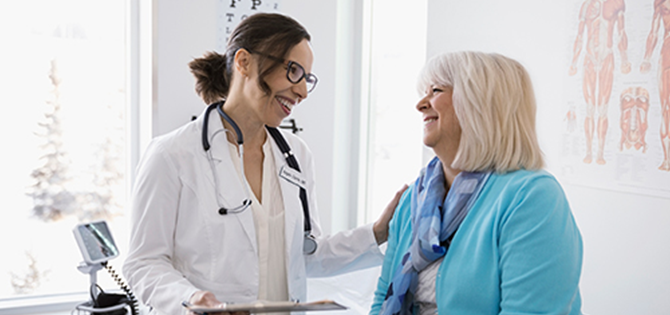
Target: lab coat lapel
232	190
292	206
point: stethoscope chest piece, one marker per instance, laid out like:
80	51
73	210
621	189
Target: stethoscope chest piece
309	244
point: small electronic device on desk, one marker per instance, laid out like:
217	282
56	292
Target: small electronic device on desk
97	247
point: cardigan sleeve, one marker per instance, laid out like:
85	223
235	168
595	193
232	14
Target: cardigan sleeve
398	228
540	251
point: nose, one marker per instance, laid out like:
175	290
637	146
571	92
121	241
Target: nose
300	89
423	103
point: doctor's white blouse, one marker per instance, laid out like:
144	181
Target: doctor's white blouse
269	225
180	244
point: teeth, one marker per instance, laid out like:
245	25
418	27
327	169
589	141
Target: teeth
429	120
285	103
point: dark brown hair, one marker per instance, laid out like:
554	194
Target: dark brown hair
267	33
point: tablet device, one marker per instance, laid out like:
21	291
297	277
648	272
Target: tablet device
259	307
95	242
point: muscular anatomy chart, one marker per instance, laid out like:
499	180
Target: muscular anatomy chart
661	14
633	122
617	93
599	19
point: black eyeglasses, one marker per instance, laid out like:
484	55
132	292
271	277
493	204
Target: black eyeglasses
294	71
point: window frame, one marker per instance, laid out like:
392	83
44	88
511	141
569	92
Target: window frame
139	86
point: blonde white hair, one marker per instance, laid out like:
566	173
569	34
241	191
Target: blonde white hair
495	105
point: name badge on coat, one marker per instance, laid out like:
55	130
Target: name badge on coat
292	176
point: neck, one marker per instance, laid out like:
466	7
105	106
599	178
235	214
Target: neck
446	158
252	128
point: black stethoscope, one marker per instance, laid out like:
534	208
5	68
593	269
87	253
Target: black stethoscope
309	244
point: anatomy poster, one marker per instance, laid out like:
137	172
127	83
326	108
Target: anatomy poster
617	96
231	12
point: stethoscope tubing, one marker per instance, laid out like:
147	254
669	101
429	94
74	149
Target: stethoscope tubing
206	146
309	245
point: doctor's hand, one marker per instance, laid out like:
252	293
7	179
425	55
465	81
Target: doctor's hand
381	226
207	299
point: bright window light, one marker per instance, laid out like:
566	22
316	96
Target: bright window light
63	137
393	148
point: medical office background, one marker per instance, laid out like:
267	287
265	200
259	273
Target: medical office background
86	84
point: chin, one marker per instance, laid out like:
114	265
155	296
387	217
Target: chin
274	124
427	141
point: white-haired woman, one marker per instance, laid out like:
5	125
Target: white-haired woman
483	230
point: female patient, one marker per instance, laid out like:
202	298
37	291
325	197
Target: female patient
483	230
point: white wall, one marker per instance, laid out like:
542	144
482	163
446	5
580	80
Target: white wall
625	235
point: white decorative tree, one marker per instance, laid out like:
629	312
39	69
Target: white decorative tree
51	199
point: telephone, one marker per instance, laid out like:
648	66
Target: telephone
97	247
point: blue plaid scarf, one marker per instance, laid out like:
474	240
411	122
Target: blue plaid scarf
434	222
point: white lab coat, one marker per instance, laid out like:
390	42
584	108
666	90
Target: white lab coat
180	244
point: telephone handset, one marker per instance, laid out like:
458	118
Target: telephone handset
97	247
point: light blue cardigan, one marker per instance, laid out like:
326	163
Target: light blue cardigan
518	251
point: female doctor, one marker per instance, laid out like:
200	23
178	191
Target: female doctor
224	208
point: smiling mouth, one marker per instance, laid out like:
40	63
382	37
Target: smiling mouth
285	104
429	120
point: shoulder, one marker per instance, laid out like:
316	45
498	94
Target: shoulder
525	200
175	144
404	207
400	223
297	145
522	180
530	192
185	137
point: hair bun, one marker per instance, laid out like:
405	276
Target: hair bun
209	71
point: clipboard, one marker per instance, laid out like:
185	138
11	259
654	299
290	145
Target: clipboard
259	307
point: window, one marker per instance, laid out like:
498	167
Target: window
65	138
397	52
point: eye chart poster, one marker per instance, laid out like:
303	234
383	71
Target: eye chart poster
231	12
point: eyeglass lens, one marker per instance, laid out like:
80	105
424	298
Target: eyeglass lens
296	72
